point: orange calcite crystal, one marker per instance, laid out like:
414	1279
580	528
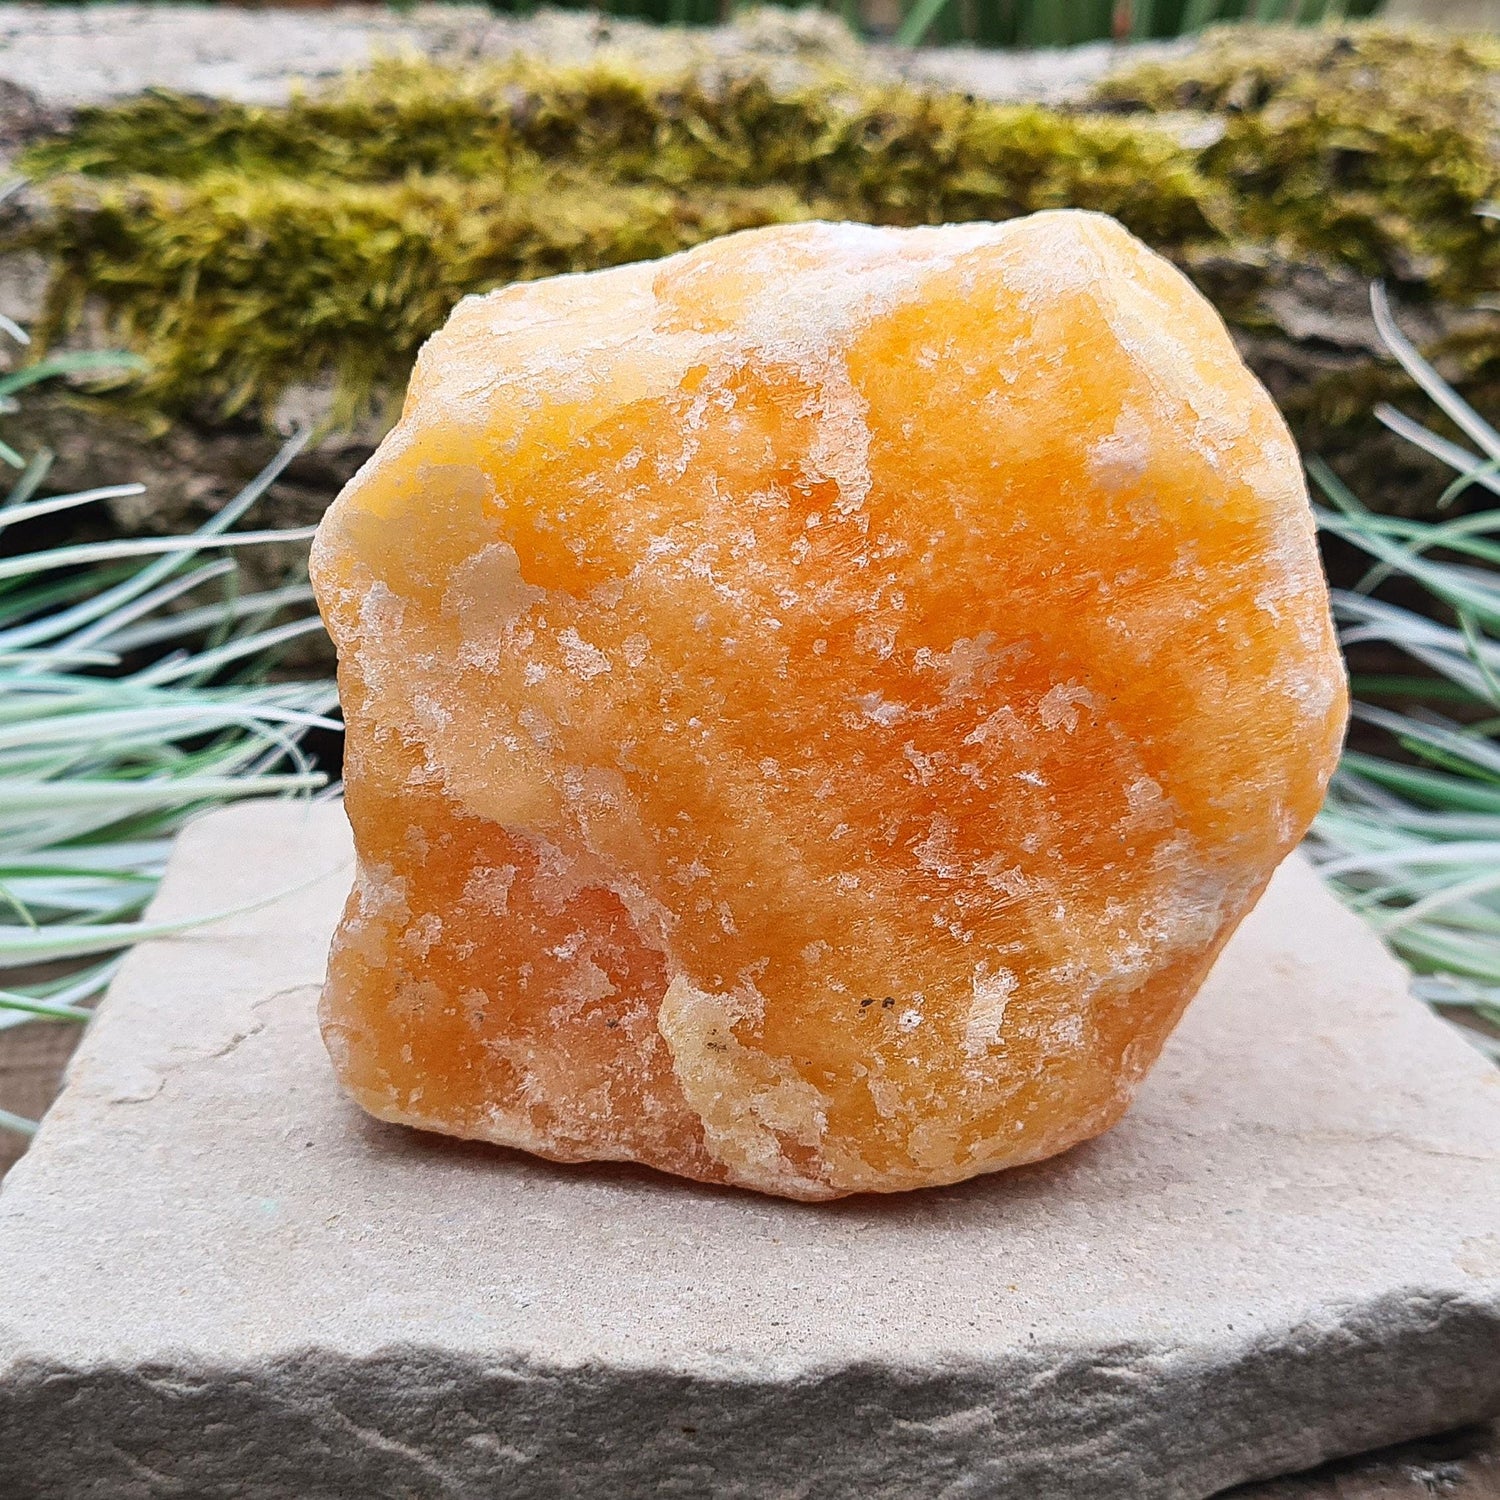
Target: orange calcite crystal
818	704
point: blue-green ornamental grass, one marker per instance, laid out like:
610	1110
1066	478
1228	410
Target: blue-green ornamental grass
1411	840
134	693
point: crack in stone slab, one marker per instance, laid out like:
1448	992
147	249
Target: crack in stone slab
193	1059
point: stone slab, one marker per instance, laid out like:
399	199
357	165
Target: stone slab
1461	1465
218	1279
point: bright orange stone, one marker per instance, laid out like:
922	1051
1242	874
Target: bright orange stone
817	704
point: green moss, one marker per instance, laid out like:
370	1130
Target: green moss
1374	147
888	152
244	249
236	288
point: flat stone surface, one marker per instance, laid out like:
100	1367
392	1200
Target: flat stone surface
218	1279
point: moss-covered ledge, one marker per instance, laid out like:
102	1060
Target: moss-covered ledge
256	253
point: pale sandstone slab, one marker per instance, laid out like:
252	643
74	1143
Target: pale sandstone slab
218	1279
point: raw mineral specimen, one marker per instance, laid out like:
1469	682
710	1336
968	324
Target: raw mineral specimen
817	704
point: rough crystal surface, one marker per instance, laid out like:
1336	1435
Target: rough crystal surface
817	704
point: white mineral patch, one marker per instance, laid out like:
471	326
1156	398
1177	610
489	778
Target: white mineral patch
423	934
488	887
992	989
1060	705
966	668
584	659
1148	806
1119	460
487	594
745	1098
937	853
878	711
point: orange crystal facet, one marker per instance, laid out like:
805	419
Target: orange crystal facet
818	704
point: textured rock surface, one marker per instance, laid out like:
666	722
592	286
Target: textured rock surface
817	704
1463	1465
219	1280
75	57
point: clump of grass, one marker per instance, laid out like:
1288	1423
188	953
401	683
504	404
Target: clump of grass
134	693
1411	838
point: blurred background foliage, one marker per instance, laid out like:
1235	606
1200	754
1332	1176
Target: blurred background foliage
1015	23
1062	23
